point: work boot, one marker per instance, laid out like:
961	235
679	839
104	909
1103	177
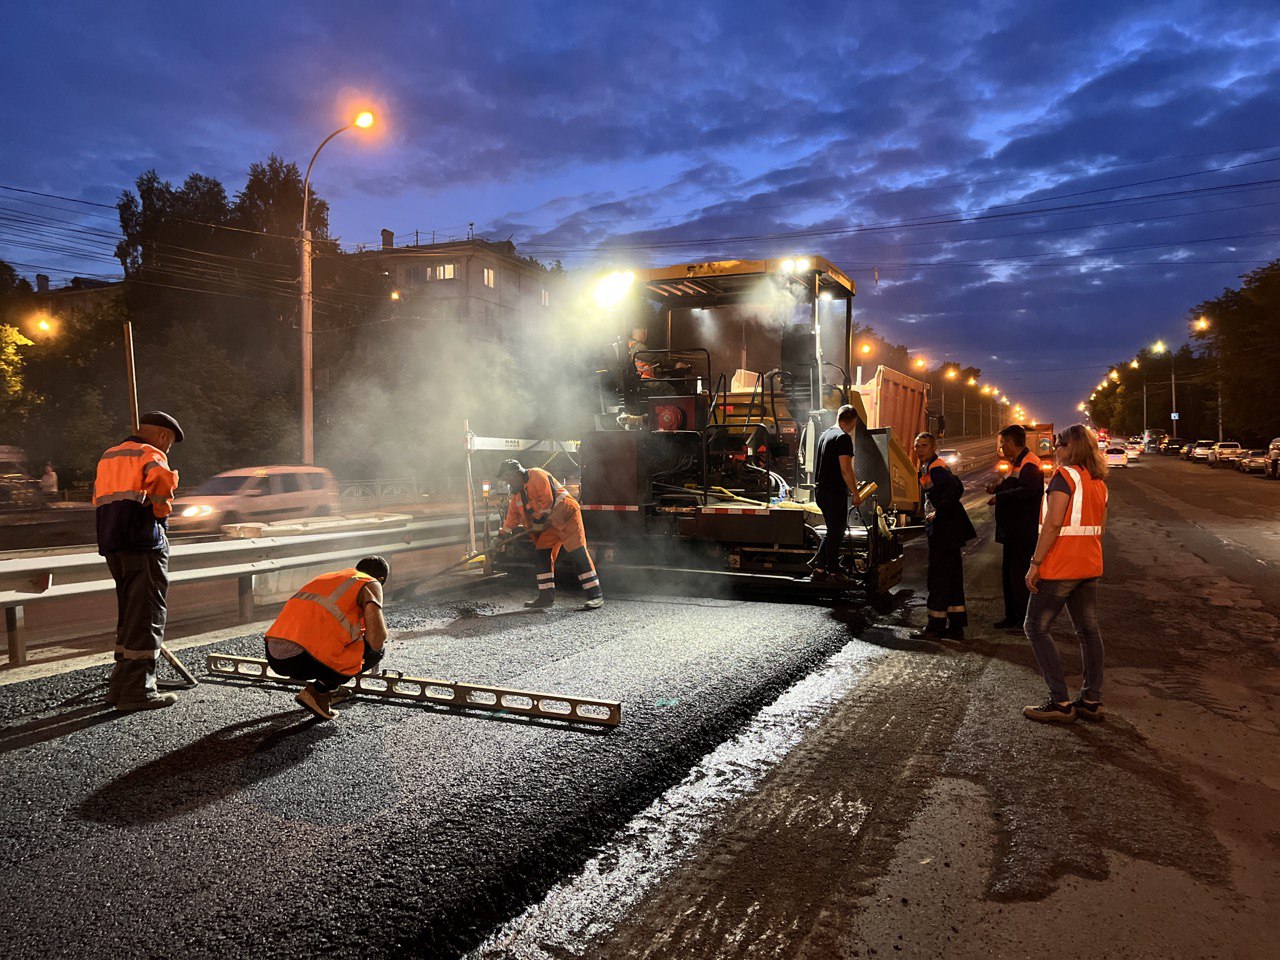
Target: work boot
1051	712
1091	710
595	603
157	702
544	599
935	629
953	633
316	701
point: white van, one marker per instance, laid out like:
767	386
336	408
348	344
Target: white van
255	494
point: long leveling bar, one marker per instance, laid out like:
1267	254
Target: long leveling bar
446	693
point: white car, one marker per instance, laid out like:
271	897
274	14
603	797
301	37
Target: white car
1117	456
256	494
1224	451
1134	449
950	457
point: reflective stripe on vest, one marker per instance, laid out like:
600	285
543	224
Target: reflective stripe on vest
330	605
1072	527
114	481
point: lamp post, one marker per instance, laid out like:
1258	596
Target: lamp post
949	374
1201	327
1157	348
306	302
1146	434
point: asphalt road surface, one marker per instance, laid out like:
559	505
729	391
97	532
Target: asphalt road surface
790	780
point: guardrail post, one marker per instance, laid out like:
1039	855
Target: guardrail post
246	598
15	631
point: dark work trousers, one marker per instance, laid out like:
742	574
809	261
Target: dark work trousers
946	587
1080	597
1017	560
304	666
835	514
142	583
587	576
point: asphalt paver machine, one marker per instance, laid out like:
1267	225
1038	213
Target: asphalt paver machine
703	454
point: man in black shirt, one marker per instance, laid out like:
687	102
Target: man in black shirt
1017	502
835	484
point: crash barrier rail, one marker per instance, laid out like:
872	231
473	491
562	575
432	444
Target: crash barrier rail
391	685
38	579
379	492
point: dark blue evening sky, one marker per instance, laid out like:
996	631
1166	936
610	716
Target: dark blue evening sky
649	133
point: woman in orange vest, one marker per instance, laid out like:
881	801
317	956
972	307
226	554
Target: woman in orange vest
330	631
1065	568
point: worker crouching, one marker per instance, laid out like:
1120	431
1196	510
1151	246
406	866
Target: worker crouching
330	631
543	508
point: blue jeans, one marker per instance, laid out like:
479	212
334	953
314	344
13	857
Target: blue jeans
1080	597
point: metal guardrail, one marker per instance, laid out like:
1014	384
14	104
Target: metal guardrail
39	579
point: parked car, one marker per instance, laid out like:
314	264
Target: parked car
1273	460
1171	445
1199	452
262	494
1252	461
1224	452
1117	456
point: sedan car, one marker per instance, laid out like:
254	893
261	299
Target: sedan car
950	457
1134	447
1252	461
1200	451
1224	452
1171	445
1117	456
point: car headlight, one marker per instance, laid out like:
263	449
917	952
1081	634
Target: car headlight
197	511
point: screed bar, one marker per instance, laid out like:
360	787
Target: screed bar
446	693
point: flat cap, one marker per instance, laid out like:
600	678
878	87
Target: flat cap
158	418
508	467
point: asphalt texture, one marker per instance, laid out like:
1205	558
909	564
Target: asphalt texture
234	824
790	780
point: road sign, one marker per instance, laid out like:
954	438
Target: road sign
1174	415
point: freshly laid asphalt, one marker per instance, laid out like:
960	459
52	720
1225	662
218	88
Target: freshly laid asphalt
233	824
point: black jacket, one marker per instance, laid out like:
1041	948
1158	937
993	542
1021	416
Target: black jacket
950	526
1018	503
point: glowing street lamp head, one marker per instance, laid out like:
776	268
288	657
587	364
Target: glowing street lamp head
920	363
1114	375
1133	364
44	325
864	349
952	373
1202	324
986	391
364	120
1080	407
395	294
973	382
1158	347
611	289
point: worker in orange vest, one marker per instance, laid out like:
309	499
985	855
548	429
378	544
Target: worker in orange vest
132	498
543	508
635	349
1064	572
330	631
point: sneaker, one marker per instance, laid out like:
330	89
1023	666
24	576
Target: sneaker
1051	712
1086	710
544	599
341	695
158	702
595	603
316	702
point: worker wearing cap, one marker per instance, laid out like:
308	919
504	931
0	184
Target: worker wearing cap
330	631
133	497
541	505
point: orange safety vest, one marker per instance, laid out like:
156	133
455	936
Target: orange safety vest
1077	553
643	367
325	619
533	504
136	472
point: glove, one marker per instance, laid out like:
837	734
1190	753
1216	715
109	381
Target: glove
372	657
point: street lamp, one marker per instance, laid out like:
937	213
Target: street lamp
363	121
1201	327
1158	348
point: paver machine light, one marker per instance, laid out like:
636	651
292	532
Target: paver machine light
704	463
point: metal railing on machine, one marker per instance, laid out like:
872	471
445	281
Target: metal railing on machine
41	579
379	493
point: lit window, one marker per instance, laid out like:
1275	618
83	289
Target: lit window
446	271
546	297
490	277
